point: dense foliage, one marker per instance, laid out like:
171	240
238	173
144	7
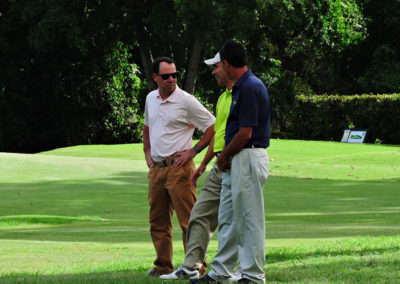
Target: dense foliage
325	117
65	78
77	72
374	65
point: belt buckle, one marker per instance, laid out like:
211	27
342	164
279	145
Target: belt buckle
169	161
160	164
163	163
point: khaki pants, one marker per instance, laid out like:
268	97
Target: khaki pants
203	221
169	188
241	218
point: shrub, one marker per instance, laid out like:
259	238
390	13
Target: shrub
325	117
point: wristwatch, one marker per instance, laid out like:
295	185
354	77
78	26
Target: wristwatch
197	149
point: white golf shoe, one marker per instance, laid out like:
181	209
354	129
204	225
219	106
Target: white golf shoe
181	273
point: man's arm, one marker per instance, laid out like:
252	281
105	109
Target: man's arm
234	147
147	147
187	155
207	158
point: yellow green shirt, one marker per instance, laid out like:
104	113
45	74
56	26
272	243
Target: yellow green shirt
223	108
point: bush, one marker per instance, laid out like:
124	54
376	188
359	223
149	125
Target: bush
325	117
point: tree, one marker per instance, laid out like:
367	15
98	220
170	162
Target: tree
69	77
185	30
65	77
376	62
298	49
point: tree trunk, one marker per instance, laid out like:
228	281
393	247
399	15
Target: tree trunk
145	54
179	54
192	67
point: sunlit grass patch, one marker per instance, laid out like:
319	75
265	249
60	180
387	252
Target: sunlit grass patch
363	246
45	219
361	260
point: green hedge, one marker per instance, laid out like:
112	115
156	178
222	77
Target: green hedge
324	117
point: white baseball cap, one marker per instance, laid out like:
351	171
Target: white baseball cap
212	61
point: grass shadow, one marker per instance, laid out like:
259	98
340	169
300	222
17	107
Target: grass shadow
115	209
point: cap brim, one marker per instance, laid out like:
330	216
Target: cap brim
212	61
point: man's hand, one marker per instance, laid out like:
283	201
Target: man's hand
146	146
235	146
149	160
183	157
197	173
223	162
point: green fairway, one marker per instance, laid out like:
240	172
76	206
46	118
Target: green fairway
80	214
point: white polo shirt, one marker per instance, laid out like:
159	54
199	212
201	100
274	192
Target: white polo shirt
172	122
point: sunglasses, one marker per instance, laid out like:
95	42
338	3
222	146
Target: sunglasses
166	76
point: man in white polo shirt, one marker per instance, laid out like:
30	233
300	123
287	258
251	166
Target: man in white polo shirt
171	116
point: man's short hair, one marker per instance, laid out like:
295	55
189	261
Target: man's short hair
234	53
157	61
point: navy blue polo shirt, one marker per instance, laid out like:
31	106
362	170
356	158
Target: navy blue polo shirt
250	108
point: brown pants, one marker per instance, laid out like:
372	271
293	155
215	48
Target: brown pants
169	188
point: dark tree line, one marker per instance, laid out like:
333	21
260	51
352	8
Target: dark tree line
77	72
65	77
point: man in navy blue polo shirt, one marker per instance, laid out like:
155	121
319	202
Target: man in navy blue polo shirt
244	162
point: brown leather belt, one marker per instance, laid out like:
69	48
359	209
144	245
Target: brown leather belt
165	163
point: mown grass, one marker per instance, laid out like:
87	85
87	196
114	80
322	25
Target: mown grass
80	215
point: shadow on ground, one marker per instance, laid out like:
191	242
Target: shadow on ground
116	209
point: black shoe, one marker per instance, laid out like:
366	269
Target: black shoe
245	280
205	279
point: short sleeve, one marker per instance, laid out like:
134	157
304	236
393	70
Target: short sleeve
198	115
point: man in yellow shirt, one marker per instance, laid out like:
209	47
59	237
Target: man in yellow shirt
204	217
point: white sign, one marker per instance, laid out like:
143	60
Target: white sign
346	135
357	136
354	135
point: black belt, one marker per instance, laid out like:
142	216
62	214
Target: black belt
164	163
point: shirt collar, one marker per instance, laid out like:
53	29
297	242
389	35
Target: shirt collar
172	97
242	79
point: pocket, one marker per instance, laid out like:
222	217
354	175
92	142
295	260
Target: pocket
261	153
187	171
150	173
182	173
214	176
217	175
